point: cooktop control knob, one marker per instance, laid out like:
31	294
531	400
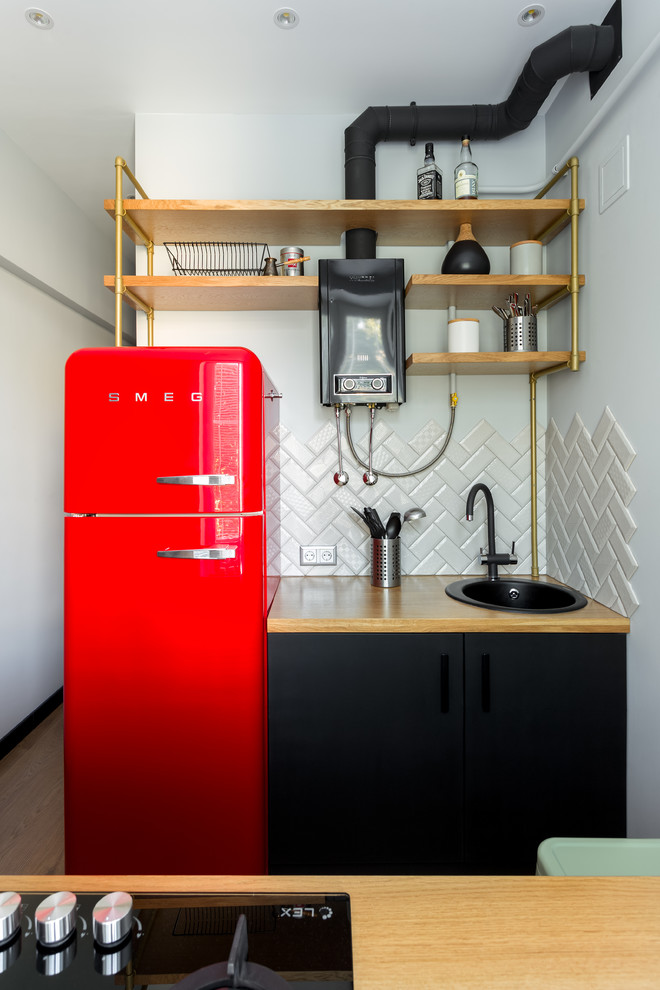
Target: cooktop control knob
10	915
113	917
55	918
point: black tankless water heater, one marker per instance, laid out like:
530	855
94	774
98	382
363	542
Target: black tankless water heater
362	328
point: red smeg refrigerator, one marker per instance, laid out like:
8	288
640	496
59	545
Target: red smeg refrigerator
171	489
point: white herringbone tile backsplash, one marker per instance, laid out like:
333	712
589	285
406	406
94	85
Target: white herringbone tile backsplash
316	511
587	494
589	524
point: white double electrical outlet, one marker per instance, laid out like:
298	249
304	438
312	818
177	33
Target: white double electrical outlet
310	556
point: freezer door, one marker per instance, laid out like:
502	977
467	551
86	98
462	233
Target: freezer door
164	696
164	430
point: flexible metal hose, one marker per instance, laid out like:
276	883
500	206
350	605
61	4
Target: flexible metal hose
404	474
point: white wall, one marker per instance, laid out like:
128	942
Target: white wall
302	157
43	234
619	321
52	301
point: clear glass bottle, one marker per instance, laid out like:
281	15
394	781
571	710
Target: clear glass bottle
466	174
429	177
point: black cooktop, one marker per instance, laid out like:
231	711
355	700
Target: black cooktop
197	941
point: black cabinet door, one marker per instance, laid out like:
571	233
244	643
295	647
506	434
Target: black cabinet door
545	743
365	752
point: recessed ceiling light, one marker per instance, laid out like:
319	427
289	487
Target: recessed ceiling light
39	18
286	18
531	15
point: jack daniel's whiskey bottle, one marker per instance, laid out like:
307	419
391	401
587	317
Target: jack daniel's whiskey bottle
429	177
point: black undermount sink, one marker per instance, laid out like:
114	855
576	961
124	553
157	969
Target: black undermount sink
516	595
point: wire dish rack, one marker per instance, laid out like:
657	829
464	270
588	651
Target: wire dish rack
216	257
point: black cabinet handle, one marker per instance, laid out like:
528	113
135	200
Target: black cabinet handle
485	682
444	683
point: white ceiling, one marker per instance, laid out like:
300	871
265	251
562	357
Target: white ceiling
68	96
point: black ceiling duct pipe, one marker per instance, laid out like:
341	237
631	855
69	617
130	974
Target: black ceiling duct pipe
576	49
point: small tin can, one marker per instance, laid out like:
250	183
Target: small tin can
289	261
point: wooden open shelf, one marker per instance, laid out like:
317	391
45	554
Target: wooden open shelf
282	292
397	221
486	362
481	291
323	222
221	292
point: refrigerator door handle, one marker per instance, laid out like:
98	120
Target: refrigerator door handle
200	553
198	479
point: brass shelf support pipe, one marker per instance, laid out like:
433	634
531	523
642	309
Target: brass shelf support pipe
554	298
573	363
121	218
571	165
533	378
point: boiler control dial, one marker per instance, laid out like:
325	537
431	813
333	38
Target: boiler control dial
10	914
55	918
113	917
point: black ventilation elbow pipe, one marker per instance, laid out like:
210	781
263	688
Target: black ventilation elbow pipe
576	49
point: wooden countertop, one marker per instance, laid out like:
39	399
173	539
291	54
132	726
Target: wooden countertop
463	933
352	604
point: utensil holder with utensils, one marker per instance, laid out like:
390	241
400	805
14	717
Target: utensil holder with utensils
386	563
519	324
520	333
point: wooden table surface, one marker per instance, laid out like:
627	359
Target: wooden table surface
419	604
463	933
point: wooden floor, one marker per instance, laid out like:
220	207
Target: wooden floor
32	802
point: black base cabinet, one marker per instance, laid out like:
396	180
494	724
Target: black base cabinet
441	753
366	752
545	743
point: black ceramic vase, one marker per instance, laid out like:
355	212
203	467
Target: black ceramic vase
466	256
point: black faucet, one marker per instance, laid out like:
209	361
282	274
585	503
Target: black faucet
491	558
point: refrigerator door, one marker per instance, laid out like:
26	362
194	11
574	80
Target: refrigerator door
164	430
164	695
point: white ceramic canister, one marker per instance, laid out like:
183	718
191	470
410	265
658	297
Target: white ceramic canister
526	258
463	335
290	265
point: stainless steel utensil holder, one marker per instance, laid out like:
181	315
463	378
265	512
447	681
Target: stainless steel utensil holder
386	563
520	333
